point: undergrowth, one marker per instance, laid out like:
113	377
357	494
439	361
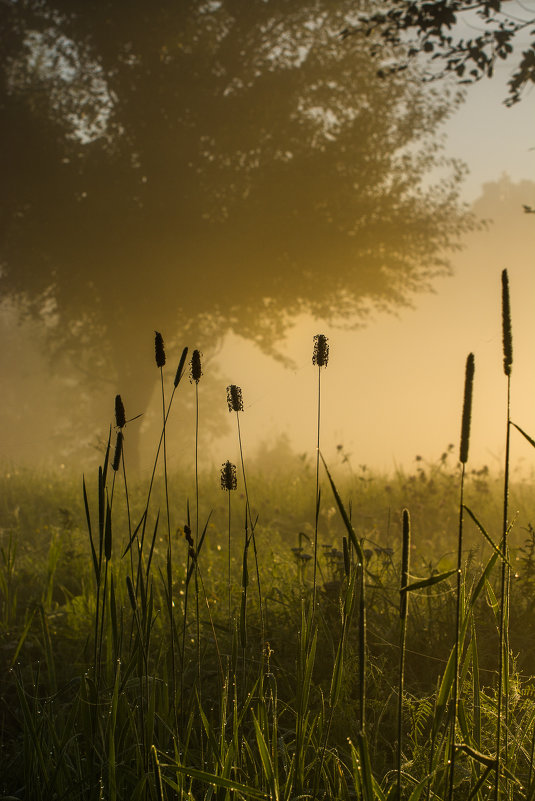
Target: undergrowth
311	631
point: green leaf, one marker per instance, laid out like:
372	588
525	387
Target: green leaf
347	522
428	582
267	764
489	540
88	518
216	781
531	441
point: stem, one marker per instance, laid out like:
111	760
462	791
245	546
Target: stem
504	638
252	535
169	551
229	587
457	634
197	609
317	495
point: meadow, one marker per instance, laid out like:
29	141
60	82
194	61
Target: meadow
272	629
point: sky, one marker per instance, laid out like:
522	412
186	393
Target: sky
393	390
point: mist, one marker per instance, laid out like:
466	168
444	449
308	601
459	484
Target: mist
288	212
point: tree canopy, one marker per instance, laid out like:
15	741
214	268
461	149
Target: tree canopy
408	28
200	167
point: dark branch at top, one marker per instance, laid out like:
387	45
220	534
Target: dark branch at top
434	30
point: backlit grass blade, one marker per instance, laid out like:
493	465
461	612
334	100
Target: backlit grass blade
428	582
529	439
491	542
443	693
134	535
476	689
157	774
88	518
23	636
112	764
213	780
265	757
198	550
366	787
347	522
31	722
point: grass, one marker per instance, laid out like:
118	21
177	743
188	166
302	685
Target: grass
366	655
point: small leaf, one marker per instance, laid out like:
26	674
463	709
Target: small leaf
419	585
531	441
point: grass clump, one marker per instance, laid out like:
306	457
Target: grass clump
374	661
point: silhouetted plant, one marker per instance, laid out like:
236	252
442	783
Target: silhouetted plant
463	458
320	358
503	668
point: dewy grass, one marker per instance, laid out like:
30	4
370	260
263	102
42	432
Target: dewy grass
313	713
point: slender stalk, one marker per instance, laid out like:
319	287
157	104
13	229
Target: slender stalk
235	402
503	701
463	457
228	566
160	362
320	358
197	606
316	510
229	483
362	649
403	612
178	378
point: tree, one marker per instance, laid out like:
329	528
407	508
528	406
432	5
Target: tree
203	167
409	28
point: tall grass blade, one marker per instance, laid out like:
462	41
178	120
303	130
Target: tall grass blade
429	582
265	758
347	522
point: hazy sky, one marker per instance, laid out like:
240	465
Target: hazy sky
394	389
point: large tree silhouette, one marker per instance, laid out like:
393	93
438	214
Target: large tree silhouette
200	167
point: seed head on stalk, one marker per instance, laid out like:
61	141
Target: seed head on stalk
320	356
234	398
506	326
159	349
120	416
229	480
195	367
467	408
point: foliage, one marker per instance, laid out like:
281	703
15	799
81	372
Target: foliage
209	167
138	680
50	570
435	30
